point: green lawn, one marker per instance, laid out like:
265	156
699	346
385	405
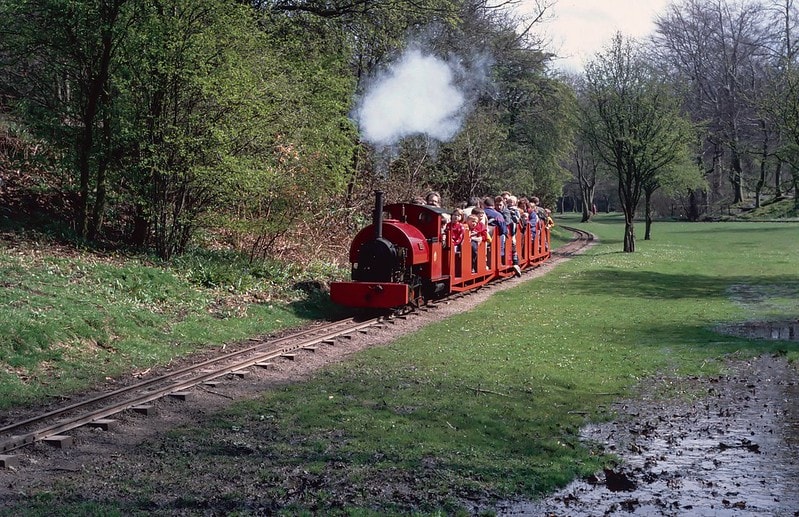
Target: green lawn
487	403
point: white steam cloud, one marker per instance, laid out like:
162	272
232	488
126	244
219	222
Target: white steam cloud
416	96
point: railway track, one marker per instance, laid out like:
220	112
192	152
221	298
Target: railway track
582	240
96	410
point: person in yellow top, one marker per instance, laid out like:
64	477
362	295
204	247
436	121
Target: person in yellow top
549	221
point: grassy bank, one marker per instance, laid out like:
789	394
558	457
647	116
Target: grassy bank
70	319
486	404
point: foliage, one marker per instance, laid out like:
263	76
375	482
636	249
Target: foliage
201	108
56	63
521	128
273	142
681	176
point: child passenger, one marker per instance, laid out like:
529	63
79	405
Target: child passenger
478	232
549	221
455	229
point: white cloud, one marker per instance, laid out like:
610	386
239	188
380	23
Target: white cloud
581	28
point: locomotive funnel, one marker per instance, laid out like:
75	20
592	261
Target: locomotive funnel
377	216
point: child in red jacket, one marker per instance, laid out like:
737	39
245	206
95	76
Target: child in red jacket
455	229
478	232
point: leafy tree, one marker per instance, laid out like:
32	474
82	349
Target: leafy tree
469	164
57	60
236	125
521	125
680	180
631	119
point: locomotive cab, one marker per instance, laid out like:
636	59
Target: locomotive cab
387	258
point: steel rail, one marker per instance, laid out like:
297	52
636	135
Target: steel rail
584	238
257	355
173	374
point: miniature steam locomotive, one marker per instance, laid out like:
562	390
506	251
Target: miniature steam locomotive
406	258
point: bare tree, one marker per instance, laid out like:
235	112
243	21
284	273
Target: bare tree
718	48
586	168
780	101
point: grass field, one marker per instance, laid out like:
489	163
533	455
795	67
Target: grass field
489	403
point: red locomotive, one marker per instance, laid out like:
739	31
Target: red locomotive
405	258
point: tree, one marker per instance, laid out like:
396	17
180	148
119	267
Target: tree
787	113
632	121
717	47
521	128
780	103
680	181
56	65
586	168
243	123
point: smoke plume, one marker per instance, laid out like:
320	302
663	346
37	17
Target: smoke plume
416	96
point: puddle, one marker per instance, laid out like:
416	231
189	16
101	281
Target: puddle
774	330
734	452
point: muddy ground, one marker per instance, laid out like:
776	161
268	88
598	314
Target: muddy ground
734	450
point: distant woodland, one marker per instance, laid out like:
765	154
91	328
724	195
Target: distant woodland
163	124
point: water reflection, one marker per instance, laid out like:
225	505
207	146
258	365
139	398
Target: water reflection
775	330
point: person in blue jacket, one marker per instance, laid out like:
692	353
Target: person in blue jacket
496	219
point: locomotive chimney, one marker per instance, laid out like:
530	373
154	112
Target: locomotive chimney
377	216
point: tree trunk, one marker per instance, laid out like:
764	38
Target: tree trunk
98	214
99	203
778	180
84	148
588	202
648	215
761	182
796	191
736	177
693	206
94	98
141	228
629	235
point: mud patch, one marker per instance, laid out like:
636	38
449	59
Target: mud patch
733	451
780	299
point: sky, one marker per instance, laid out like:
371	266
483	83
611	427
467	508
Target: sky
580	28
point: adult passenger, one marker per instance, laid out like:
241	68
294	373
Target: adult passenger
533	215
433	198
497	220
474	202
516	221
